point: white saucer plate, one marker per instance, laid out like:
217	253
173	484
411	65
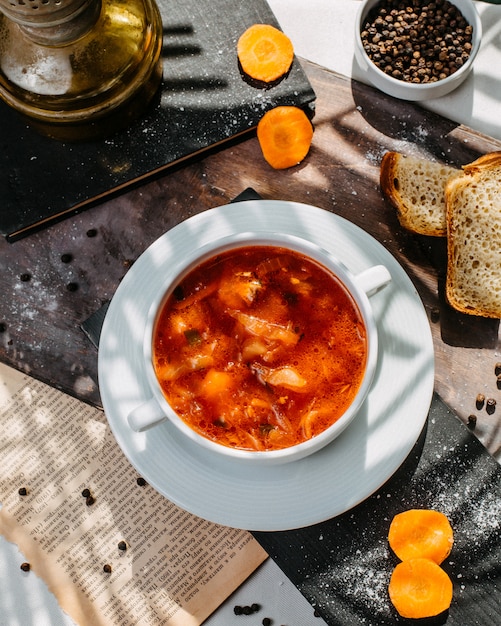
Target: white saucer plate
301	493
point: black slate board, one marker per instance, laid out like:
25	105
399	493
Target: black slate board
203	101
343	566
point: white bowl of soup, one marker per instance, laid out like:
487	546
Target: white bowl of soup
262	348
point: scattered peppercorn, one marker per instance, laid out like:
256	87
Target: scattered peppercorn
72	286
122	545
141	482
472	421
491	406
92	232
497	369
267	621
419	42
435	315
498	381
89	498
25	277
22	491
66	257
3	327
479	401
247	609
107	568
25	567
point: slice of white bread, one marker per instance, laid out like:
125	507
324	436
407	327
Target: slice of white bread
473	205
416	188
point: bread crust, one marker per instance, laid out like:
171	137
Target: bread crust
425	217
389	186
387	177
486	161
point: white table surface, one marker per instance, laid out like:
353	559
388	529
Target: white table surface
322	31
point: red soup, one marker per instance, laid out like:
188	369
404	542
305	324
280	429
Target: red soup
260	348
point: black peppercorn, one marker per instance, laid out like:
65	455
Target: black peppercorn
107	568
92	232
25	567
66	257
22	491
89	501
122	545
86	493
479	401
491	406
72	286
255	607
238	610
266	621
497	369
424	44
246	610
25	277
141	482
472	421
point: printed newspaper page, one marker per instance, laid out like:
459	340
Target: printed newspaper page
110	548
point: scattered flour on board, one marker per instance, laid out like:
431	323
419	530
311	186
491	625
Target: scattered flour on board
480	512
363	577
467	501
375	155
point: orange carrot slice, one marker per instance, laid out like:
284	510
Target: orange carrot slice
284	134
421	533
420	588
265	53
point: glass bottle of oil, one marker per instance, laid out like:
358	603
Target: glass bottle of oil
78	69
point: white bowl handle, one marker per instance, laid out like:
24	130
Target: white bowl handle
146	415
373	279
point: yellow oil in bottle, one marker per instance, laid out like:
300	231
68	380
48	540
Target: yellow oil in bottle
87	76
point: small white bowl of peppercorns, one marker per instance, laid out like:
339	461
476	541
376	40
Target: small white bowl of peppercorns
417	49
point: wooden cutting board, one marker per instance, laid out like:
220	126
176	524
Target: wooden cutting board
203	102
52	281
